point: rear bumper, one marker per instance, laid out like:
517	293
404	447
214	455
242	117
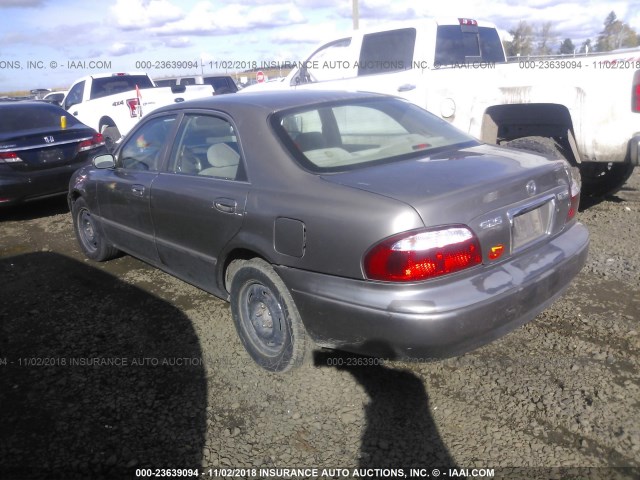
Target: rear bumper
17	187
441	318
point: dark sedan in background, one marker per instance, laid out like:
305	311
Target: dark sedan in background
357	221
41	145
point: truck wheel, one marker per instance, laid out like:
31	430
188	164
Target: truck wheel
111	135
601	179
266	319
545	146
89	235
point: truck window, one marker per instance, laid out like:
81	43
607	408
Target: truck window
74	96
457	45
386	52
166	82
330	62
221	84
102	87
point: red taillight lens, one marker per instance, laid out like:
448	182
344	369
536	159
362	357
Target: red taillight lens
9	157
574	194
415	256
96	141
635	93
573	205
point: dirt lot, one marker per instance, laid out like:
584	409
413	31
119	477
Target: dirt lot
108	368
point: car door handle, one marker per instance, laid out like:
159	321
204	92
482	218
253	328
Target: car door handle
225	205
406	87
137	190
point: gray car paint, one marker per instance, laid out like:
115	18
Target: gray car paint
337	217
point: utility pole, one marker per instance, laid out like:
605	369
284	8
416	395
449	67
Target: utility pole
355	15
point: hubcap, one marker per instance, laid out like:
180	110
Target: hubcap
264	318
87	231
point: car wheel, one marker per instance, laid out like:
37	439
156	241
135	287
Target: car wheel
265	316
88	233
545	146
111	135
600	179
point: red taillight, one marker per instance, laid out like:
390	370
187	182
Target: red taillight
635	94
9	157
573	205
574	194
415	256
133	103
96	141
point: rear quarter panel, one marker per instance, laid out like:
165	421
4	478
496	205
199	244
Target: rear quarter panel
340	223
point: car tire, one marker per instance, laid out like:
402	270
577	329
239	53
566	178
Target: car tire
602	179
111	135
89	235
265	316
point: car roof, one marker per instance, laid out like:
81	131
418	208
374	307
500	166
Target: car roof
269	101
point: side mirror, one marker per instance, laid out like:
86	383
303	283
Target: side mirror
104	161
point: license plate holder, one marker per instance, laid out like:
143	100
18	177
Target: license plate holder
531	225
51	155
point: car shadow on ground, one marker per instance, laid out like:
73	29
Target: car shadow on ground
587	202
400	431
37	209
97	377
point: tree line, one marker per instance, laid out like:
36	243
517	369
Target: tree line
542	39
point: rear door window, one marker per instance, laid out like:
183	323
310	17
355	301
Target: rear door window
385	52
206	146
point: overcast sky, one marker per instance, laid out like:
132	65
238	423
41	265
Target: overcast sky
124	32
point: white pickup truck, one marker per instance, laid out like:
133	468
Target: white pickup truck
112	103
585	108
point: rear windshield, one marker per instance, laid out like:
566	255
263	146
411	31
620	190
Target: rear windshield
101	87
334	137
32	116
457	44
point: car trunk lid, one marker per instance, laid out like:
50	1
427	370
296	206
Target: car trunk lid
510	199
43	148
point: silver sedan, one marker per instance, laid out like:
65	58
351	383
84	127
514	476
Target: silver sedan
346	220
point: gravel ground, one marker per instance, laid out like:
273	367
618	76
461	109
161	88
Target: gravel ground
108	368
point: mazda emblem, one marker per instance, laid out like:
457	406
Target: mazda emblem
531	188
